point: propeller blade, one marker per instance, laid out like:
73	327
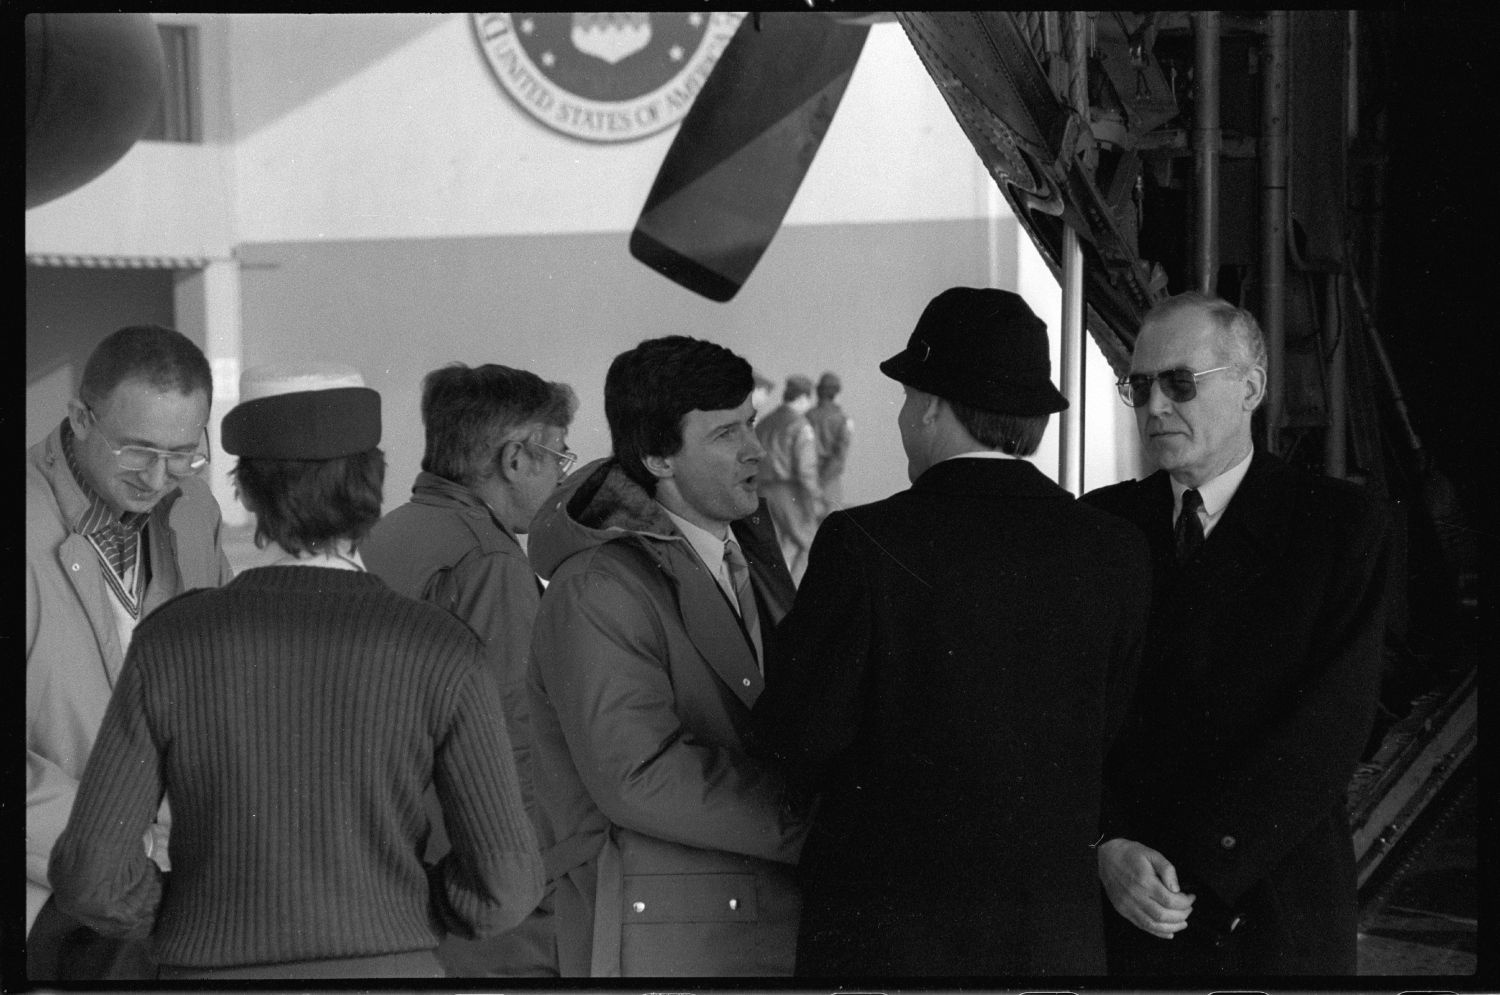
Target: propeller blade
743	149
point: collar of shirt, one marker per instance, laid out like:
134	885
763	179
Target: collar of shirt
979	454
1215	493
97	516
342	556
709	547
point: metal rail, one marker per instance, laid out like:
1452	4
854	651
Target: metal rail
1414	761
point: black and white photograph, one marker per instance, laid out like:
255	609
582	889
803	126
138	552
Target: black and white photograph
814	498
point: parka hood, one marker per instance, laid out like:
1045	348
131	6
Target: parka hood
597	504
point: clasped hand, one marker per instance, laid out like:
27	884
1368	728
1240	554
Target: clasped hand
1142	886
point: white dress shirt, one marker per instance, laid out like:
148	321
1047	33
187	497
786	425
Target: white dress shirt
1215	494
710	549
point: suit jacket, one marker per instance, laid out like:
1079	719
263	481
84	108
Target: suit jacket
948	680
1257	692
73	649
666	840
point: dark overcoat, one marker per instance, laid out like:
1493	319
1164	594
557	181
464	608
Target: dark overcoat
1257	692
947	680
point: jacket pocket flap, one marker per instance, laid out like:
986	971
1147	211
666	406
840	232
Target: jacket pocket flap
688	898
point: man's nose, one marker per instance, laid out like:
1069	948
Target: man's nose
155	475
1158	402
752	450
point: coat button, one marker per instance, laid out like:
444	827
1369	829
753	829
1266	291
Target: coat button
1228	842
746	681
75	569
639	906
734	904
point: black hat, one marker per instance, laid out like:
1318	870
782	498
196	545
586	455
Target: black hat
983	348
305	411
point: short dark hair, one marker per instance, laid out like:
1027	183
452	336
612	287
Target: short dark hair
1016	435
469	413
305	505
649	389
166	359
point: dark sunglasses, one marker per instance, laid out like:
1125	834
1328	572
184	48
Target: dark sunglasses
1178	385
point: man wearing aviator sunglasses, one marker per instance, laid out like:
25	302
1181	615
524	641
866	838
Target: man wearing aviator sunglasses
117	522
1224	826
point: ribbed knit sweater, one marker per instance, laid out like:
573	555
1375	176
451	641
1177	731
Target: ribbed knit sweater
294	717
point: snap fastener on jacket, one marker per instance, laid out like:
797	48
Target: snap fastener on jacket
639	906
734	903
75	567
746	680
1228	842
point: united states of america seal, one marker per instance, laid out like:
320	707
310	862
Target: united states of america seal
605	76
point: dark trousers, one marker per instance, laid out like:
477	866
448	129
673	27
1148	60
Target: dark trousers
60	948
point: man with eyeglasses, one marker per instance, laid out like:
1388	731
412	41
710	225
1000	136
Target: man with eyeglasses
117	522
1227	850
496	451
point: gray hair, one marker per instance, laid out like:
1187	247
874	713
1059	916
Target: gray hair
1238	341
469	414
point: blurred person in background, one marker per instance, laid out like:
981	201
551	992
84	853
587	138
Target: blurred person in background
833	430
788	477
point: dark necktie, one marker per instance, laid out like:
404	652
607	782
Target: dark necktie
1189	526
739	575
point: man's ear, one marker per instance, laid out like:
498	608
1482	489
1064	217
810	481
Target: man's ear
1255	388
509	459
659	467
933	409
78	417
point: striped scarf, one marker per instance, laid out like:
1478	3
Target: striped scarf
116	540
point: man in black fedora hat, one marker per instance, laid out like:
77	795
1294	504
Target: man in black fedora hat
951	674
